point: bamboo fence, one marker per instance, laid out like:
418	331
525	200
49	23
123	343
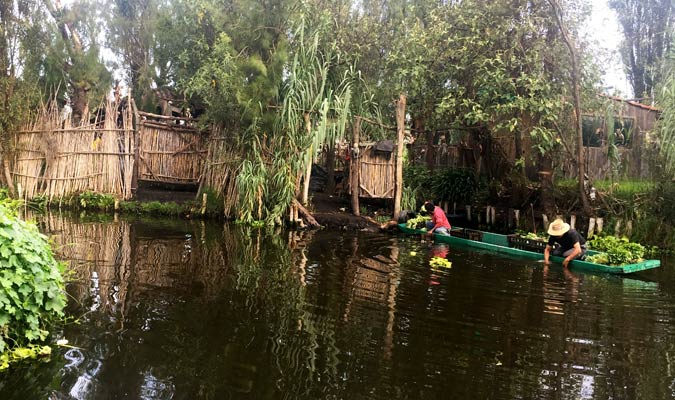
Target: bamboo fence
53	158
170	150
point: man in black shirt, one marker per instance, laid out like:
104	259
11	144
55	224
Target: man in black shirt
572	244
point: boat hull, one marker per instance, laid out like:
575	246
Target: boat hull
504	249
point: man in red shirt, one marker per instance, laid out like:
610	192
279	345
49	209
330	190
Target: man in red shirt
439	222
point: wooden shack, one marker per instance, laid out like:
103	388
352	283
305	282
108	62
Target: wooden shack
375	163
634	122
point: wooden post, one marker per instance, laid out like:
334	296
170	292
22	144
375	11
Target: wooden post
517	212
599	222
204	200
573	221
454	208
354	167
400	130
468	213
591	228
487	215
8	176
544	218
137	125
629	228
617	228
493	212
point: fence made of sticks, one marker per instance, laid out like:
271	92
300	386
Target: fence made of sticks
170	150
54	158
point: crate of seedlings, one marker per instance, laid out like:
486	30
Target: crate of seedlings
529	242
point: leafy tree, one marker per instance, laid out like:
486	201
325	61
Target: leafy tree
72	66
20	47
647	27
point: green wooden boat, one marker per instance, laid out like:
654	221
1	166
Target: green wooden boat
500	244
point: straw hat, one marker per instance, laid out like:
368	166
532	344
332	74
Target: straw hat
558	227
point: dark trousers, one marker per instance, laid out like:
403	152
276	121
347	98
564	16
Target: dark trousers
558	251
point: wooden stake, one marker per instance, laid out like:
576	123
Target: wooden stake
629	228
204	200
517	212
573	221
493	213
468	213
354	168
617	228
544	218
599	223
591	228
400	125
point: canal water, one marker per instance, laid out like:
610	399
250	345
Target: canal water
194	310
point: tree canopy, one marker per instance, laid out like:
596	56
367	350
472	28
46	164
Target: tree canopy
284	77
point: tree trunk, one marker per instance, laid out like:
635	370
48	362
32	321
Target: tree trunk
354	168
73	43
400	129
6	169
308	170
577	106
305	213
330	168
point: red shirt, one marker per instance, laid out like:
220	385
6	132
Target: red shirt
439	219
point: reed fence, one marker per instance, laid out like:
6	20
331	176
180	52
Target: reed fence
170	149
222	168
53	158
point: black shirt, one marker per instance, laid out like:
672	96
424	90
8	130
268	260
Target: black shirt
567	240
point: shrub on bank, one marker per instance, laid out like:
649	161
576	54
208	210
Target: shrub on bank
32	293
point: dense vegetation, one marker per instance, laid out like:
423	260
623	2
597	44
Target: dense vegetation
285	79
32	294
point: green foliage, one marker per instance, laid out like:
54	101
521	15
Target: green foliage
531	235
95	201
450	184
31	284
418	178
454	185
665	129
618	251
418	222
22	353
643	50
409	198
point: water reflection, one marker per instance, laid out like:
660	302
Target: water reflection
196	310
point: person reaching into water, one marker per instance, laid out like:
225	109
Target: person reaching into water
439	222
571	244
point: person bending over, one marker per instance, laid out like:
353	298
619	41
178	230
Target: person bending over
572	244
439	222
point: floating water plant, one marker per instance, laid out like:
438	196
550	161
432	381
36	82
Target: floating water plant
439	262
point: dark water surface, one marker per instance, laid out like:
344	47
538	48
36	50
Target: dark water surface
191	310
